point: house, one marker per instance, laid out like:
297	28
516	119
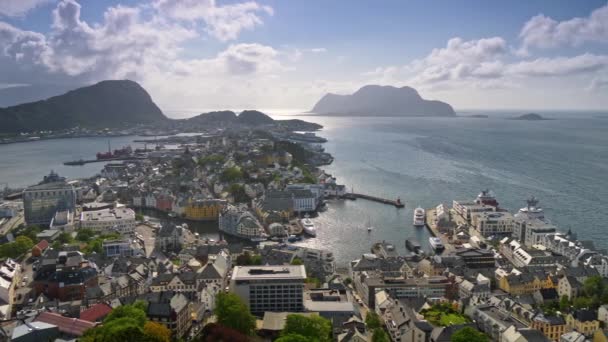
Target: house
513	334
476	258
66	325
35	331
96	313
569	286
170	309
584	321
10	274
572	336
602	314
170	237
551	326
40	248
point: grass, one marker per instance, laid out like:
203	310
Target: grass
444	315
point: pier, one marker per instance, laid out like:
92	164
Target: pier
82	161
396	203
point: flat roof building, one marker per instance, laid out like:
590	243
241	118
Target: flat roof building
270	288
119	219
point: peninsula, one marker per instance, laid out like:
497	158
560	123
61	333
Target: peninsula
530	117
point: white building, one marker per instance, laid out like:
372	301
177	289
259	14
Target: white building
493	223
469	209
10	274
119	219
270	288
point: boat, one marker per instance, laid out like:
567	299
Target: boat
308	226
369	226
436	244
419	217
486	197
531	211
413	245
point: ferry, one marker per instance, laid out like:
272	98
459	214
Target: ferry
413	245
419	219
532	210
436	244
308	226
486	197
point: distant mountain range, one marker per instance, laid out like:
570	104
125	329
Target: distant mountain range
374	100
111	104
530	117
249	118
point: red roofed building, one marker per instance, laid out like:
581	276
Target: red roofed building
39	248
96	313
66	325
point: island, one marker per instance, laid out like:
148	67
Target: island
530	117
375	100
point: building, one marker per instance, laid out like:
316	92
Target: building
170	237
512	334
602	314
270	288
42	201
583	321
121	220
532	232
493	223
334	304
551	326
64	275
66	325
494	321
63	220
367	283
569	286
469	209
170	309
476	258
203	209
120	248
10	275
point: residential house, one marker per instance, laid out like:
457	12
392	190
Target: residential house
551	326
584	321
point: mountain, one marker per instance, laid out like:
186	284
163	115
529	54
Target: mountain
254	118
530	117
111	104
374	100
29	93
218	117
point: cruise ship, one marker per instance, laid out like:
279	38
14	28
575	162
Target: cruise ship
308	226
419	218
436	244
486	197
531	211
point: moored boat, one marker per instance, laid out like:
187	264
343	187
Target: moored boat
419	217
436	244
413	245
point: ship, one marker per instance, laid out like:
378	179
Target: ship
413	245
75	162
125	151
436	244
486	197
531	211
419	217
308	226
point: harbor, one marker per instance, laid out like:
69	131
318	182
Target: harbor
396	203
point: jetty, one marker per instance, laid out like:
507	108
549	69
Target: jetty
396	203
83	161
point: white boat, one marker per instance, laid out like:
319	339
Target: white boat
369	226
436	244
308	226
419	217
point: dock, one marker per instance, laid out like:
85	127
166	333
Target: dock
82	161
396	203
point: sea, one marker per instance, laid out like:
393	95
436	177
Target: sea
421	160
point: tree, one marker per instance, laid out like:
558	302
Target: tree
314	328
292	338
64	238
469	334
256	260
157	332
85	235
380	335
564	304
139	217
134	312
231	312
582	302
231	174
372	320
21	245
297	261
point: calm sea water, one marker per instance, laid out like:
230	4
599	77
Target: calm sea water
425	161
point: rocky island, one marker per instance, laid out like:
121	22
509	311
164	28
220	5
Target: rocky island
375	100
530	117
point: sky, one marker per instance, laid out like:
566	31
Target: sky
278	54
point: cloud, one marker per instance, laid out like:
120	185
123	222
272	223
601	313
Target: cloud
222	22
559	66
545	32
598	83
18	8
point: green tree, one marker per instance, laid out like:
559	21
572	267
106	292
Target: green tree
31	231
314	328
231	312
297	261
85	235
469	334
292	338
64	238
256	259
380	335
139	217
134	312
156	332
126	323
564	304
582	302
372	320
231	174
21	245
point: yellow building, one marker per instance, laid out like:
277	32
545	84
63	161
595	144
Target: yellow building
203	209
600	336
583	321
519	284
551	326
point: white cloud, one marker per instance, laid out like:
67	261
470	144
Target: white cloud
545	32
222	22
17	8
559	66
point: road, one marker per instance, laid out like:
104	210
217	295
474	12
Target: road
11	224
149	237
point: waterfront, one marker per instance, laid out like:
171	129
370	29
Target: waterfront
423	160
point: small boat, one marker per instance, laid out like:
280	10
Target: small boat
369	226
419	217
436	244
293	238
75	162
413	245
308	226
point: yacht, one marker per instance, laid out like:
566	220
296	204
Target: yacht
308	226
419	218
436	244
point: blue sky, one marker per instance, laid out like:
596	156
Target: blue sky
206	54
